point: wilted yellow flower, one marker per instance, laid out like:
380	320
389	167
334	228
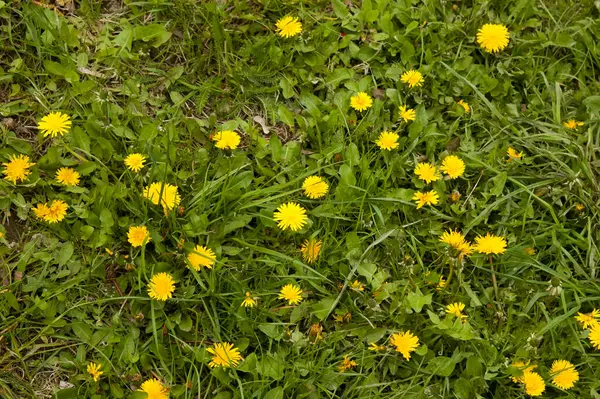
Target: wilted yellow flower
54	124
572	124
513	154
17	168
465	106
361	101
412	78
224	355
164	194
428	198
376	348
290	216
154	389
94	370
453	166
493	37
524	367
227	139
405	342
248	301
135	162
426	172
291	293
56	211
490	244
455	196
315	187
357	286
341	318
456	309
407	114
564	374
311	249
588	319
138	236
346	364
316	332
201	257
161	286
67	176
534	383
388	141
288	26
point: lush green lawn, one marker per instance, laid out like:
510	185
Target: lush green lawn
167	80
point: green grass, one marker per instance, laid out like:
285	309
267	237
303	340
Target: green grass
159	78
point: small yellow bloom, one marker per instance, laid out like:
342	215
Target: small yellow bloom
572	124
227	139
453	166
224	355
291	293
164	194
464	249
288	26
456	310
135	162
311	249
455	196
54	124
490	244
465	106
534	383
579	207
161	286
17	168
454	238
428	198
594	335
493	37
94	370
346	364
201	257
427	172
513	154
524	367
56	212
67	176
564	374
41	210
529	251
138	236
407	114
412	78
290	216
154	389
405	342
441	284
249	301
388	141
588	319
376	348
361	101
357	286
315	187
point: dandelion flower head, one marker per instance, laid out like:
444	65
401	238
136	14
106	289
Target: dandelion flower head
161	287
564	374
290	216
135	162
17	168
288	26
428	198
201	257
227	139
407	114
412	78
453	166
138	236
154	389
490	244
67	176
55	124
311	249
361	101
291	293
315	187
94	370
426	172
164	194
388	141
534	383
493	37
405	343
224	355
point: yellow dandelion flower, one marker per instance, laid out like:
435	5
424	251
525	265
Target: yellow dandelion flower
427	172
154	389
455	196
493	37
67	176
224	355
453	166
564	374
94	370
248	301
56	211
572	124
588	319
524	367
135	162
361	101
164	194
490	244
357	286
441	284
54	124
456	310
465	106
407	114
41	210
288	27
454	238
376	348
594	335
388	141
291	293
513	154
315	187
138	236
17	168
346	364
579	207
412	78
161	287
428	198
405	342
534	383
529	251
1	234
311	249
290	216
227	139
466	248
201	257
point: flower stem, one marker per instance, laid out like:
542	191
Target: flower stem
495	283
